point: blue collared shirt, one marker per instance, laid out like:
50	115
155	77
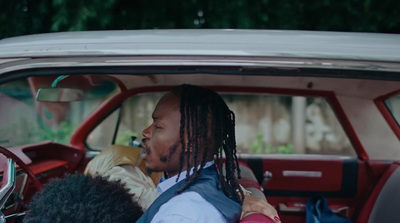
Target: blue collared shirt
187	206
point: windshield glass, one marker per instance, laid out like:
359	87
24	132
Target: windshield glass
24	120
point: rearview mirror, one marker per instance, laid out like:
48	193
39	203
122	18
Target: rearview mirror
59	94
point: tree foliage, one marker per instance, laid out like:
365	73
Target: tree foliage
28	17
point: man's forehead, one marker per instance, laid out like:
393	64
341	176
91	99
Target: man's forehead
168	103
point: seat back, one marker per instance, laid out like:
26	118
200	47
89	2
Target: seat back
256	218
250	183
384	201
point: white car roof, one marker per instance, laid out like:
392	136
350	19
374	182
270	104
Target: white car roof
266	43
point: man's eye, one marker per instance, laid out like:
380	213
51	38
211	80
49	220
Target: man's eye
157	126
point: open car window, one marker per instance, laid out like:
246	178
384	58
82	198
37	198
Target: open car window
286	124
265	124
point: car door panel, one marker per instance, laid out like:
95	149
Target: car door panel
345	182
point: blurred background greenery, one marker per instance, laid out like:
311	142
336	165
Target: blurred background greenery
27	17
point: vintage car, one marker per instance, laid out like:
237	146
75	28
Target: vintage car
317	113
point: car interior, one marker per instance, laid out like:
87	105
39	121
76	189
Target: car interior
358	181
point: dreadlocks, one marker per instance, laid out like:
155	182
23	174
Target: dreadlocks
209	126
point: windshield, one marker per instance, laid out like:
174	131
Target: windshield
24	120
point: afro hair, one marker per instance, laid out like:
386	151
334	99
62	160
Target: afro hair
83	198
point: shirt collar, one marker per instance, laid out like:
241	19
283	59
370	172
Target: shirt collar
165	184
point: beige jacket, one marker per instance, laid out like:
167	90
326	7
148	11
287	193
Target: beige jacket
120	163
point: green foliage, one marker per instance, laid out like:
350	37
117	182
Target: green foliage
81	15
62	134
27	17
261	147
25	131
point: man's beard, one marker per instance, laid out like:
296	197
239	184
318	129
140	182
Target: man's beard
172	150
164	159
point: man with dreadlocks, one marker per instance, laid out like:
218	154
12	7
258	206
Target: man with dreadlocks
192	127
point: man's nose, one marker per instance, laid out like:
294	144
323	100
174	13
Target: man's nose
146	132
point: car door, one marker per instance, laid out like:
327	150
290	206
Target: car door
323	162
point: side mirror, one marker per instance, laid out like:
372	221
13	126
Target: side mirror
59	94
7	185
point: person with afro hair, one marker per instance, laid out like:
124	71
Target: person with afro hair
83	198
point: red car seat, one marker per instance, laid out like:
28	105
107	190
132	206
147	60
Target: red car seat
250	183
383	203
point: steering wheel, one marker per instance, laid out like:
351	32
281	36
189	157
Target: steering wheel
23	166
31	177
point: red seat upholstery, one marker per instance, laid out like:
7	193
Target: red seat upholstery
256	218
382	205
249	182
